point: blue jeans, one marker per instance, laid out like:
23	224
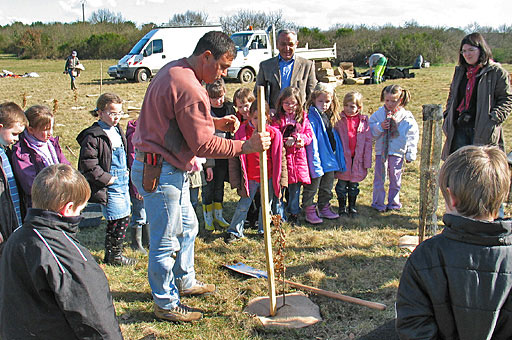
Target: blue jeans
293	198
138	213
173	229
237	222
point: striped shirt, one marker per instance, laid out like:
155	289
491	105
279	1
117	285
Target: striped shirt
13	189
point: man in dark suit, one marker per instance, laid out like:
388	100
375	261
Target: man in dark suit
286	70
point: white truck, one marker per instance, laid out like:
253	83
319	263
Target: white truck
255	46
158	47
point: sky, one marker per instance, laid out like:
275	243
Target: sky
321	14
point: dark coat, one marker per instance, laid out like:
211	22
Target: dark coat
51	286
493	105
95	160
303	77
457	285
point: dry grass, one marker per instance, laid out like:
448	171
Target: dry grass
357	257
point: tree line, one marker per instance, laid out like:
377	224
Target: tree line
107	35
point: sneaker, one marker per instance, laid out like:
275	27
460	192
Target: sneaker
230	238
198	289
180	313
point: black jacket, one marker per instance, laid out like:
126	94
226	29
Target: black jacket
95	160
51	286
457	285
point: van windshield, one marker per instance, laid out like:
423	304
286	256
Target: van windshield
138	47
241	39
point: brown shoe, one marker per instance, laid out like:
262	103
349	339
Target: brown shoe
180	313
198	289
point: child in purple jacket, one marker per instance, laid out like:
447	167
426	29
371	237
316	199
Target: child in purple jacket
36	149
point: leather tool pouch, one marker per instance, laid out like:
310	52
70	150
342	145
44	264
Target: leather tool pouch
151	172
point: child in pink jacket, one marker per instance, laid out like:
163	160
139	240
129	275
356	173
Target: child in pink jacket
356	138
295	128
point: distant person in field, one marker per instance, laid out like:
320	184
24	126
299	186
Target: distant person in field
377	63
51	286
480	98
71	68
457	285
286	70
36	149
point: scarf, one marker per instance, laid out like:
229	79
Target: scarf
45	150
471	75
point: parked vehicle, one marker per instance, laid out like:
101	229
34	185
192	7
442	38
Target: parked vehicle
158	47
255	46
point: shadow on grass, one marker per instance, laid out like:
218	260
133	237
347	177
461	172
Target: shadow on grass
131	296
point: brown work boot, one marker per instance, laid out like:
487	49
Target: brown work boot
198	289
180	313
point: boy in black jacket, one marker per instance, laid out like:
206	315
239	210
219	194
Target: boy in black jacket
51	286
457	284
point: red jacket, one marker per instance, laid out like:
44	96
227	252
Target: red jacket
296	159
238	165
358	167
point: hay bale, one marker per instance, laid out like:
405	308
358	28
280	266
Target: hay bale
323	64
325	72
327	79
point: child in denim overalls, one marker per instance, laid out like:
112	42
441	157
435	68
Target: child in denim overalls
103	162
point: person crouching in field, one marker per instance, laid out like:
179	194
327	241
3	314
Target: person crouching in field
51	286
457	284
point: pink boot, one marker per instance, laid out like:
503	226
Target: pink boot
311	215
327	213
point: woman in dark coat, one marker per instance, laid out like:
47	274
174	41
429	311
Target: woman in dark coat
480	98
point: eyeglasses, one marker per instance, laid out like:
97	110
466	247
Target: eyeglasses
114	114
469	50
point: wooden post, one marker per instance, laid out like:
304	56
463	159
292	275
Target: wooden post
101	77
265	206
431	146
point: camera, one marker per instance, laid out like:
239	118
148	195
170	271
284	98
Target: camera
464	118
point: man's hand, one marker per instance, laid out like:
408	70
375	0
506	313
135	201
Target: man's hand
259	141
227	123
209	174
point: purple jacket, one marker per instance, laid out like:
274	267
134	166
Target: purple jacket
27	163
296	158
358	167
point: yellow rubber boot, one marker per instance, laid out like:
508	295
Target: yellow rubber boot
217	215
208	217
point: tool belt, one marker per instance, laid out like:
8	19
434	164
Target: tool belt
152	169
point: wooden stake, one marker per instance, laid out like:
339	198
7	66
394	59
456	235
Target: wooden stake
265	205
431	146
101	77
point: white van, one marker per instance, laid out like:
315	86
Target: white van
158	47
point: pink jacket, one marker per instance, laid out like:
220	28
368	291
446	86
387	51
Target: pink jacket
238	165
296	159
357	168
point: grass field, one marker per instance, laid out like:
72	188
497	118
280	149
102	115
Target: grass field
358	257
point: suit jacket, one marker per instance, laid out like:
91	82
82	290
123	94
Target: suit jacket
303	78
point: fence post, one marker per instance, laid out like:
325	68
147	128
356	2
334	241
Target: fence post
431	146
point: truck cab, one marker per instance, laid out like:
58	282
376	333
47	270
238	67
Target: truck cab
252	48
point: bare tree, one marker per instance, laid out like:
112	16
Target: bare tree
189	18
241	20
104	15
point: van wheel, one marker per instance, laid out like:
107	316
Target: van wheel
141	75
246	76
